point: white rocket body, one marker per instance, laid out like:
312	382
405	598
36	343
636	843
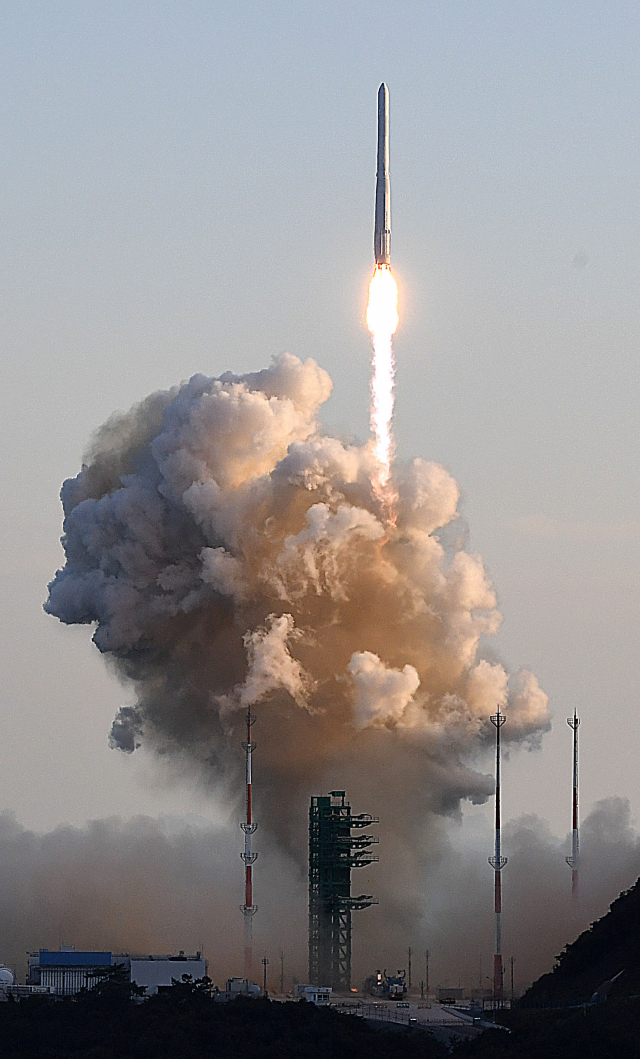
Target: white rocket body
382	222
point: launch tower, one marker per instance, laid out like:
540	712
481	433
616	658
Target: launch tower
333	852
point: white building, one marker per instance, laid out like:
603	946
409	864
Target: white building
68	971
238	987
315	994
158	972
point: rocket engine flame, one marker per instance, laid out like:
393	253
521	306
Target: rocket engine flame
382	310
382	321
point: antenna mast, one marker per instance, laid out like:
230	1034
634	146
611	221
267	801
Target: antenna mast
498	862
573	860
248	909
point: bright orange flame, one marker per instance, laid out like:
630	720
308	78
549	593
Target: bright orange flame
382	320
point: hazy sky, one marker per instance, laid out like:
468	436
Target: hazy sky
188	187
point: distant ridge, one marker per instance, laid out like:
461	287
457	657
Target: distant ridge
609	946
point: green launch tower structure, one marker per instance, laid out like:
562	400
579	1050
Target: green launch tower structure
333	852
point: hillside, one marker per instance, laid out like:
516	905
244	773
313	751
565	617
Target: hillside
603	1031
186	1021
610	945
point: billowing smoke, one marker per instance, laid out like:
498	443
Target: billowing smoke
230	553
164	885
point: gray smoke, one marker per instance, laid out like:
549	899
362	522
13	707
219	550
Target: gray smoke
160	886
538	916
146	886
229	553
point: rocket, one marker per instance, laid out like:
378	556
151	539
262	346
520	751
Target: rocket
382	221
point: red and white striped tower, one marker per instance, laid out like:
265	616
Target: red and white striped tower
248	909
572	861
498	862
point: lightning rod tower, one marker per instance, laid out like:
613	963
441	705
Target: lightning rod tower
573	860
498	862
248	909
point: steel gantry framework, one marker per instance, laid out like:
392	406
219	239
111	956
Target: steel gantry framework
333	852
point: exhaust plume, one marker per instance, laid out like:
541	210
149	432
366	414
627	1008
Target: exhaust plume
382	321
229	553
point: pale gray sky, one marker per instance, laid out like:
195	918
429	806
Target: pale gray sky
189	187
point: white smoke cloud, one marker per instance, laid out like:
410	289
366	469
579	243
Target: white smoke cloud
526	701
381	695
318	557
228	553
271	666
222	572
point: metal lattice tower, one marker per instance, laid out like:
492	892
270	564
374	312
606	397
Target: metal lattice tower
333	852
498	862
573	860
248	909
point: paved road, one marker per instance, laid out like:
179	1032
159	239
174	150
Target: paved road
444	1022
